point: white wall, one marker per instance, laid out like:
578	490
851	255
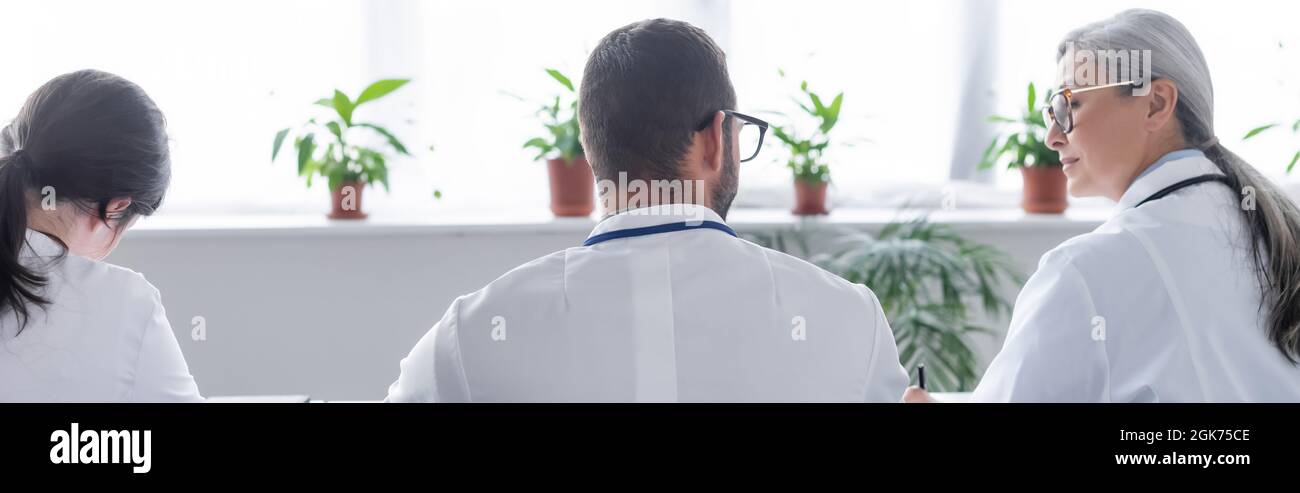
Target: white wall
329	310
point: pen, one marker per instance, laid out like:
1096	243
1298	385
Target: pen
920	376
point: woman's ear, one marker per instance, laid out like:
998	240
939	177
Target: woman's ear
1161	104
116	207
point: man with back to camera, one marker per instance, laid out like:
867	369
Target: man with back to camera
662	303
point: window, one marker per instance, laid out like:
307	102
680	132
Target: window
1256	70
227	75
919	79
892	60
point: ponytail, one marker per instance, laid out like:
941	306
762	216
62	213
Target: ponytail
1273	226
20	286
93	137
1273	223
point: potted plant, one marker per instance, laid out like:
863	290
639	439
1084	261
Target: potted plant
1026	148
811	172
931	282
328	147
572	182
1295	129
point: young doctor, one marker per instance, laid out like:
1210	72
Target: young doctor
85	157
662	303
1189	292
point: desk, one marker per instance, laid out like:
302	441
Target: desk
951	396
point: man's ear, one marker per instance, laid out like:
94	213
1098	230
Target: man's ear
713	144
1162	103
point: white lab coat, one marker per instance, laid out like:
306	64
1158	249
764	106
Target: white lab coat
685	316
1158	304
103	338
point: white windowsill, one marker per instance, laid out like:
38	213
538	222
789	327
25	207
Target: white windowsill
541	222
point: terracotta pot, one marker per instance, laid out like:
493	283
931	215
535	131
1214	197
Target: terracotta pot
347	205
1044	189
573	187
810	198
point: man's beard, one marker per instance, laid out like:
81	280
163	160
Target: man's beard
728	183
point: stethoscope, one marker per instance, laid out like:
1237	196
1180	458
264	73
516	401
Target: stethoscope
1196	180
657	229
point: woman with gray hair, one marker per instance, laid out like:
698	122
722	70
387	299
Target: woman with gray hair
1189	292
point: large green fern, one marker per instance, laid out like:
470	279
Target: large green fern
931	283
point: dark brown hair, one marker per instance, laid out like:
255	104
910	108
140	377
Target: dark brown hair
93	137
645	90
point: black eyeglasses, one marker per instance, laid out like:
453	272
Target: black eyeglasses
752	131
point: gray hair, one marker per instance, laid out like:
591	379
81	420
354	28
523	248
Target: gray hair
1274	222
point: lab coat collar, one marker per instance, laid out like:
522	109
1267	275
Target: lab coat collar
1180	166
41	245
655	216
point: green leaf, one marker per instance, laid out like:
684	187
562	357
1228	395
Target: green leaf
988	160
805	108
1012	144
334	178
377	171
309	171
335	129
437	194
1033	97
1258	130
392	139
555	74
1035	119
1294	158
818	107
835	106
343	106
326	102
537	142
1001	119
781	135
379	89
1295	127
306	147
279	140
832	113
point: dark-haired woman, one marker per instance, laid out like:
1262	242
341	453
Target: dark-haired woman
86	156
